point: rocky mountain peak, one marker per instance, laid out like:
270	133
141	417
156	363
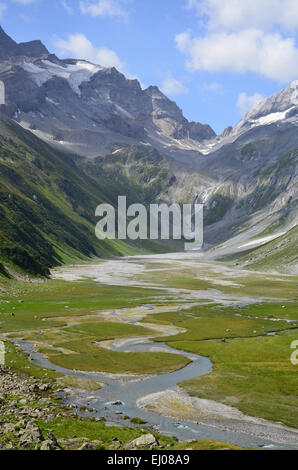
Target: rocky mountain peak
56	99
9	48
278	108
7	45
33	49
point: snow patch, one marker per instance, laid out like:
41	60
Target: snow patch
75	74
123	111
262	241
272	118
52	101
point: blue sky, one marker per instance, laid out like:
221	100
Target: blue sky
215	58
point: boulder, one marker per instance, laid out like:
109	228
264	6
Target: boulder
116	443
117	403
147	440
48	445
88	446
31	435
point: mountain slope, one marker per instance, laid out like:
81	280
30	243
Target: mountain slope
47	205
138	143
83	107
280	254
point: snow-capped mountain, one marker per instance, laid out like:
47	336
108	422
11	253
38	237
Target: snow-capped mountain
247	178
84	107
283	106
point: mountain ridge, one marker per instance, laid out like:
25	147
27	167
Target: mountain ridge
109	106
138	142
9	47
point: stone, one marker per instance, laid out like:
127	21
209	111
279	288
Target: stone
6	428
147	440
116	443
44	387
88	446
52	438
30	435
47	445
23	401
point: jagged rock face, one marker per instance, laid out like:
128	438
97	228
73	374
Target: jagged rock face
280	107
169	119
84	107
226	132
32	49
9	48
200	132
246	177
166	115
117	104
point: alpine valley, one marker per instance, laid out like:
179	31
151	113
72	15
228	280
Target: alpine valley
111	137
154	341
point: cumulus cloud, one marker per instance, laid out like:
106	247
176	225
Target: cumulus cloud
245	102
102	8
78	46
241	14
171	86
268	54
244	36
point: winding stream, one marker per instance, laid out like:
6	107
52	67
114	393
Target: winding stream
128	390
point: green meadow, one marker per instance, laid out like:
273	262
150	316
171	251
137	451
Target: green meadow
251	370
46	309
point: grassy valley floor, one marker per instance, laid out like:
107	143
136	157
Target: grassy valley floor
245	322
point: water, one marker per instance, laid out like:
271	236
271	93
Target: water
128	392
126	272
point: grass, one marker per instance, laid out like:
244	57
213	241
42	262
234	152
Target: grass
253	374
18	360
43	303
80	384
138	421
251	371
205	445
47	218
204	323
66	428
88	357
255	284
101	331
35	319
268	256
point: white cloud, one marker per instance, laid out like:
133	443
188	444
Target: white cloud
67	7
171	86
3	8
102	8
268	54
242	14
243	36
245	102
79	47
